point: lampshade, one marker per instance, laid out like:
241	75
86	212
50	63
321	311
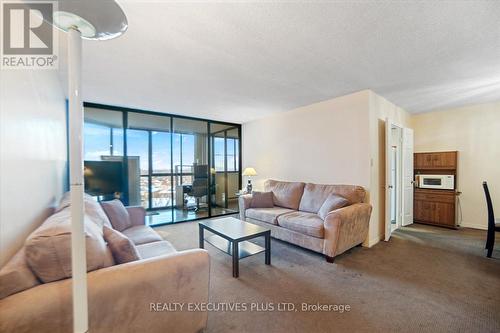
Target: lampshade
95	19
249	172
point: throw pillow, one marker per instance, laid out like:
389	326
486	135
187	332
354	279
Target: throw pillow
121	246
92	208
117	214
48	248
262	200
332	202
16	276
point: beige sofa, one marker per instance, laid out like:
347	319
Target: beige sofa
294	217
126	297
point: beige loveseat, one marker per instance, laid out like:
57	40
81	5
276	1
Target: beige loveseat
294	217
128	297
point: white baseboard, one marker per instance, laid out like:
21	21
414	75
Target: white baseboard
372	241
474	226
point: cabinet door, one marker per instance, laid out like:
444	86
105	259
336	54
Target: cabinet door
422	161
435	160
428	161
428	158
445	213
423	210
434	212
445	160
417	161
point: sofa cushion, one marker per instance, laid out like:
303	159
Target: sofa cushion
316	194
121	246
262	200
285	194
305	223
48	248
141	234
269	215
117	214
155	249
332	202
16	275
92	208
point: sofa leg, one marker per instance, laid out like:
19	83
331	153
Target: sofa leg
329	259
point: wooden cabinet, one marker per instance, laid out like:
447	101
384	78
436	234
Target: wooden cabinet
436	161
435	207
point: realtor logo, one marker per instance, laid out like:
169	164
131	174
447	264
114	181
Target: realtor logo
28	39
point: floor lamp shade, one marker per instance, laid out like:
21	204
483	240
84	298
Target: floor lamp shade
95	19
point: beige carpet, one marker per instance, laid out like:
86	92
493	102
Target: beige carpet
426	279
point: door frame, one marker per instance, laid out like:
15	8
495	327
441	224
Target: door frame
389	124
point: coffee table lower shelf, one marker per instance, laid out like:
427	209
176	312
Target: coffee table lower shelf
232	236
245	248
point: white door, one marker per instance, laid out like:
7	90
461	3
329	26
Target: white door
388	179
407	176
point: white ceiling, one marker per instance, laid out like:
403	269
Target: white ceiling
241	61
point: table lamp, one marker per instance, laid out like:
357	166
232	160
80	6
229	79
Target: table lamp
249	172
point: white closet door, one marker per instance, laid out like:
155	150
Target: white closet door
407	176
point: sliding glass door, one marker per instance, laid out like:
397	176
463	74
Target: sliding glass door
178	168
104	172
190	162
138	153
148	143
225	166
161	170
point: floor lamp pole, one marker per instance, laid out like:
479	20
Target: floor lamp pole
78	248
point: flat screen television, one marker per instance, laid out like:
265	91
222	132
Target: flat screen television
103	177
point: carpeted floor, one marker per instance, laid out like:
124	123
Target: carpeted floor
425	279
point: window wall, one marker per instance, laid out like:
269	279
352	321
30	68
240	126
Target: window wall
148	140
178	168
225	167
191	169
103	133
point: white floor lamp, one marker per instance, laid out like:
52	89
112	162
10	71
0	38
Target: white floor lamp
95	20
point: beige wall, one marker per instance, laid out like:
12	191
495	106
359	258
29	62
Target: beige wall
343	141
380	109
326	142
475	132
32	152
339	141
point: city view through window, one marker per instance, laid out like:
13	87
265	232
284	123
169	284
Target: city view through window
168	169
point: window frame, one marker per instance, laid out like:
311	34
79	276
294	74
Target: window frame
172	174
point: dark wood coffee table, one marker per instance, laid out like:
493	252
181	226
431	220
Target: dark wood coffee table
231	236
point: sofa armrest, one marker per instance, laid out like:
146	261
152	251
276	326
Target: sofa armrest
137	215
181	277
345	228
244	203
124	298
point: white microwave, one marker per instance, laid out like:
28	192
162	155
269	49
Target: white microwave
440	182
